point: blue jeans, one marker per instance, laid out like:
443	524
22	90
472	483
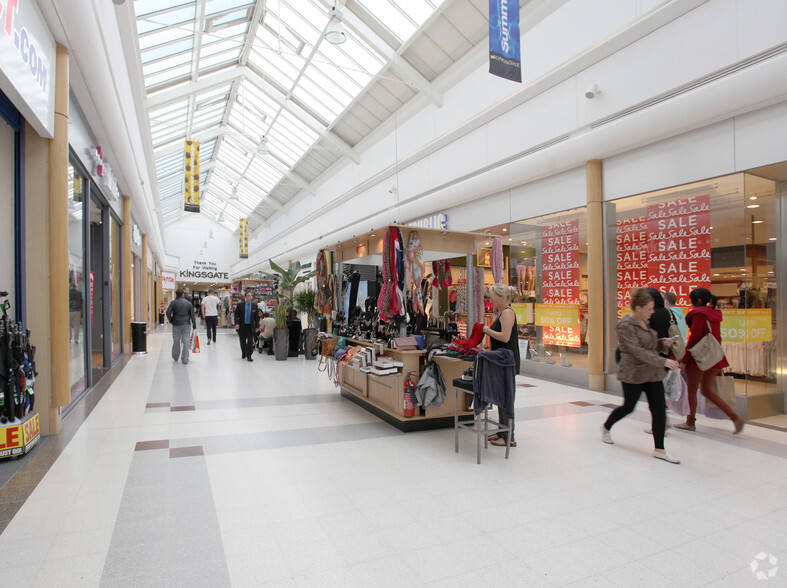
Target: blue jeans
180	342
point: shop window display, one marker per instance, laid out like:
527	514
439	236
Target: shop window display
547	263
77	295
720	234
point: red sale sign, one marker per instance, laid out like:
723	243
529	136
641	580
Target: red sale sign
679	246
560	276
631	258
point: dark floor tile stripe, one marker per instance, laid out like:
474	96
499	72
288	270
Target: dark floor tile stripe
147	445
193	451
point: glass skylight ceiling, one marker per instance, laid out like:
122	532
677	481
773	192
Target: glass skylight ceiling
230	72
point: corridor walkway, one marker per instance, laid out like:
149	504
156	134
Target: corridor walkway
229	473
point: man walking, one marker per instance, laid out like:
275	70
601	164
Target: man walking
181	315
210	312
246	321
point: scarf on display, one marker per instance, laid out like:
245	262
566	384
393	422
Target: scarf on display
478	293
497	260
442	273
324	295
390	302
415	265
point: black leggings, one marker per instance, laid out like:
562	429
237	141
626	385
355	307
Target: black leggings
655	394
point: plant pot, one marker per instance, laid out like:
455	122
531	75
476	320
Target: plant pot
308	338
281	343
294	327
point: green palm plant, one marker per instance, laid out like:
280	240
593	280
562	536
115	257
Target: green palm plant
287	279
303	301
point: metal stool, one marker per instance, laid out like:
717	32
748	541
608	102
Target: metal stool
480	423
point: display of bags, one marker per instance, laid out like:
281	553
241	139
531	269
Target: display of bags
673	385
678	347
707	352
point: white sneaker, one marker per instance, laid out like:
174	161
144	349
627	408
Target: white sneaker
606	436
665	456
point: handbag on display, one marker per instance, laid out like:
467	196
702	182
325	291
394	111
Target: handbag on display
673	385
405	343
707	352
678	347
680	406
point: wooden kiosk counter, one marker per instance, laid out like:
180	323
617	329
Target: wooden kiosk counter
384	395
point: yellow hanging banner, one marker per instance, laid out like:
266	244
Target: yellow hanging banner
191	177
243	236
557	315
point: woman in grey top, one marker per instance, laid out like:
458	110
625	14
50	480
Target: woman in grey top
641	370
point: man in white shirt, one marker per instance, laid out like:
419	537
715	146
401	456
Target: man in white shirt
266	335
210	312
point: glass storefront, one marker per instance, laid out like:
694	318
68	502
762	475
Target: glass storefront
721	234
114	285
547	263
77	283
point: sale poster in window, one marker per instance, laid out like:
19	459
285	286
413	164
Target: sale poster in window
679	246
560	277
631	259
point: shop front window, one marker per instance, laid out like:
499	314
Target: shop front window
719	234
77	284
548	265
114	284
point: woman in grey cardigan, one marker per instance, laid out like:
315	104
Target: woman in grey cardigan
641	370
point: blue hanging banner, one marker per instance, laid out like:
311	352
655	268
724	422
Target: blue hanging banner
504	56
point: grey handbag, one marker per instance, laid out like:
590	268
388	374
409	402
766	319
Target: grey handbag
678	347
707	352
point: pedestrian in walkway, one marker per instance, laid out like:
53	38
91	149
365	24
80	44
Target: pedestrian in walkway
670	300
704	318
267	325
181	315
641	369
210	312
246	321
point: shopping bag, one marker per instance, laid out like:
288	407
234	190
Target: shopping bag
724	387
194	343
673	385
680	406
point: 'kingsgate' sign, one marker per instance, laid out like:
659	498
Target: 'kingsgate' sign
203	271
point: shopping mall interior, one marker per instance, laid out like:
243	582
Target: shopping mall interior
286	283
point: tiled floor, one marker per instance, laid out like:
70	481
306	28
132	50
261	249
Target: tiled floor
225	472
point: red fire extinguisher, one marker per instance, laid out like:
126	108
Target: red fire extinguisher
409	389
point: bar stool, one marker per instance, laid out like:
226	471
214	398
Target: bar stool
481	423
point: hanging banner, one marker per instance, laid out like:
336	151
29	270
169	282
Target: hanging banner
243	237
560	277
632	259
504	55
679	246
191	177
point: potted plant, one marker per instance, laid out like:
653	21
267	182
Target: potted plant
287	280
303	302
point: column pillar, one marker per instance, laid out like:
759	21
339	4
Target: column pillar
595	334
126	273
58	245
145	284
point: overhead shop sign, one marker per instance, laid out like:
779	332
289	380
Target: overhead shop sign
167	281
203	271
27	56
437	221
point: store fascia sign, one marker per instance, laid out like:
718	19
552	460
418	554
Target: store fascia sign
103	171
27	56
437	221
167	281
203	271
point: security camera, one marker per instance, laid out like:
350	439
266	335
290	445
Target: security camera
592	92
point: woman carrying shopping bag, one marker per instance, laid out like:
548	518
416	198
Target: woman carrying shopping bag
704	320
641	369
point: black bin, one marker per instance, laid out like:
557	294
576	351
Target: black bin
139	338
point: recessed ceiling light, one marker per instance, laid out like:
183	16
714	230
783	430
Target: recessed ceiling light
487	242
752	198
504	230
715	274
757	222
743	269
711	228
772	239
510	239
752	206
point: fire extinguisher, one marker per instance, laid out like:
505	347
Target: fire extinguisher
409	389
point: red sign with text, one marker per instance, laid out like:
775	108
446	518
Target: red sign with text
632	258
560	277
679	246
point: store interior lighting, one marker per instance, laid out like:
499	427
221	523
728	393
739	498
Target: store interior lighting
334	33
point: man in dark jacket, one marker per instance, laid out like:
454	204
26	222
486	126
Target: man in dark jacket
660	320
246	322
181	315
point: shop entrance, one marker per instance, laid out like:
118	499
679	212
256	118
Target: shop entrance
99	351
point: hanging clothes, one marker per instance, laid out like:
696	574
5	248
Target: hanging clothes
415	265
390	302
497	260
324	294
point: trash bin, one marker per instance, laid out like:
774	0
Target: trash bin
139	342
